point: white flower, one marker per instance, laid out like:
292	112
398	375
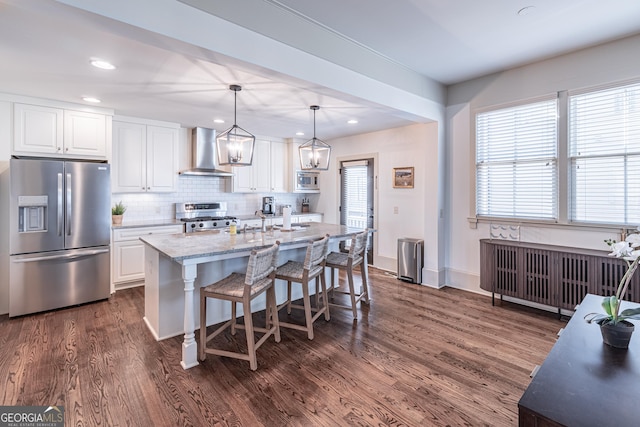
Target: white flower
633	240
621	249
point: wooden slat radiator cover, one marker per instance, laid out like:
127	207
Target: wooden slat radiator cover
556	276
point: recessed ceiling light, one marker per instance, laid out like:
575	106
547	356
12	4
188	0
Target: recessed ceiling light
99	63
218	121
526	10
352	121
300	133
91	99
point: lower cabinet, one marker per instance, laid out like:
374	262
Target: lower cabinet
551	275
309	217
279	220
127	263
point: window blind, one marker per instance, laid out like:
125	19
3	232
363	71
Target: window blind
517	161
354	194
604	154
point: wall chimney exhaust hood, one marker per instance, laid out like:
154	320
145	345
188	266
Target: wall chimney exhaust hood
204	154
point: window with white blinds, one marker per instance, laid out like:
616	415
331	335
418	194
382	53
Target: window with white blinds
604	154
354	194
517	161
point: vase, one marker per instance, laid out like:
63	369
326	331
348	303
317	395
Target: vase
116	219
617	335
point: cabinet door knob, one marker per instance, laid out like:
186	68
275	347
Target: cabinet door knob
148	188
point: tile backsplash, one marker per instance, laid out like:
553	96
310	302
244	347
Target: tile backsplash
160	206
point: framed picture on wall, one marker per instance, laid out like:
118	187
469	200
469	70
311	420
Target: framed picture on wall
403	177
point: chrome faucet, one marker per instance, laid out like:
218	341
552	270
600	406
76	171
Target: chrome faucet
263	218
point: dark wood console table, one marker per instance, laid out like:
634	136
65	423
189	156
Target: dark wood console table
584	382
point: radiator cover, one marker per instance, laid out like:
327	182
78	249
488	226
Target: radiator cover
556	276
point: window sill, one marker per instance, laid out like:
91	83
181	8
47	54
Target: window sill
473	223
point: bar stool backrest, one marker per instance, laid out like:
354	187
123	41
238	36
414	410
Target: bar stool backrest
358	246
316	253
261	264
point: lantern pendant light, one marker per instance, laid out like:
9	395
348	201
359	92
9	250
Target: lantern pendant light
314	154
235	145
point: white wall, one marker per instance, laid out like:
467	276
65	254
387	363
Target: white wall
417	217
613	62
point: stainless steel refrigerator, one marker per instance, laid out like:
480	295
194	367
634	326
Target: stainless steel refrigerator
60	221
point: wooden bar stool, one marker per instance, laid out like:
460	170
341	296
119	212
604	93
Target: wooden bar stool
346	262
243	288
304	273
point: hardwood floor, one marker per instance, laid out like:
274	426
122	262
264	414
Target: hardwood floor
416	357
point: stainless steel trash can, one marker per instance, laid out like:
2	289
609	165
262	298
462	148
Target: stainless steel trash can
410	259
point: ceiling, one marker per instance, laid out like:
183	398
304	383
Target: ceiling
46	47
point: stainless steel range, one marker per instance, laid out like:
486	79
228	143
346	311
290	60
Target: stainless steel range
203	216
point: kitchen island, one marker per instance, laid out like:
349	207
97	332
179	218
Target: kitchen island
178	265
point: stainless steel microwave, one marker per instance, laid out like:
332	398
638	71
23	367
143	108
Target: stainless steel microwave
307	181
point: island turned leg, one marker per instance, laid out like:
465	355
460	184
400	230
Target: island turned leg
189	345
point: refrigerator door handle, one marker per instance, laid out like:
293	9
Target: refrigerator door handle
60	223
69	204
66	257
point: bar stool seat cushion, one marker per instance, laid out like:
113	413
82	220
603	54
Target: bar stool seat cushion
233	286
342	259
295	269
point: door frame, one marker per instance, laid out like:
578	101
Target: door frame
338	192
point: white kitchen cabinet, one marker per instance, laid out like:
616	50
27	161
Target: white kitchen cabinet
252	223
145	158
85	134
162	158
309	218
56	132
127	266
279	170
255	178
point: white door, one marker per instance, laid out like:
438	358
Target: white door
162	159
85	134
37	129
262	166
128	261
356	195
129	168
279	167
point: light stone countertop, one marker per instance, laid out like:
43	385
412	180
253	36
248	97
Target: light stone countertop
180	247
147	223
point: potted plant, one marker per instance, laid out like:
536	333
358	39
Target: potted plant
616	330
116	213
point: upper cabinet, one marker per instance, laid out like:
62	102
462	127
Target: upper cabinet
279	167
145	158
57	132
268	172
85	134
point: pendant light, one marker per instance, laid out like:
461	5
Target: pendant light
235	145
314	154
